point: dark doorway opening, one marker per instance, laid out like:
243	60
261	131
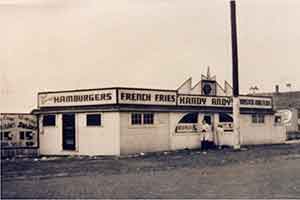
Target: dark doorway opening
68	121
207	119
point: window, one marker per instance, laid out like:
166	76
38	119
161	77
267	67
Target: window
207	119
148	118
258	118
190	118
22	135
225	117
142	118
136	118
49	120
277	119
93	119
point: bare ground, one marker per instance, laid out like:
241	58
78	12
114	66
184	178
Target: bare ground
258	172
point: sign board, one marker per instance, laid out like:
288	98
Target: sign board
144	97
188	128
215	101
77	98
197	100
147	97
255	102
226	126
18	130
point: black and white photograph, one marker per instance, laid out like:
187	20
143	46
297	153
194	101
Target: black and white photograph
150	99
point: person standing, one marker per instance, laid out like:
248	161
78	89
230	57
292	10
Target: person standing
205	136
220	133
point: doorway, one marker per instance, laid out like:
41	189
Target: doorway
68	122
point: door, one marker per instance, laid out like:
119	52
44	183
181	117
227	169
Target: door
68	121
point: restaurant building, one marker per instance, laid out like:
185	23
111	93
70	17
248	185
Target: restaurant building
116	121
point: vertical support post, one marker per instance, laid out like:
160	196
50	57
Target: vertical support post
235	77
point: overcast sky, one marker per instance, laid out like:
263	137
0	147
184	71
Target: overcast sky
71	44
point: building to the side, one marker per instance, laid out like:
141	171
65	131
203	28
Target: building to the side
288	101
19	134
115	121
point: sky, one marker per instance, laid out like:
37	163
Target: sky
48	45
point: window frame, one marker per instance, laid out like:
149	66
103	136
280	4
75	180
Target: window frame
142	123
49	125
258	118
151	118
189	118
135	119
93	125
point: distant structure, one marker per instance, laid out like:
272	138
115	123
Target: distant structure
287	101
19	134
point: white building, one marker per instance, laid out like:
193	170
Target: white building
115	121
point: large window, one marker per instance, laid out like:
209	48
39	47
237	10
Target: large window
207	119
190	118
258	118
136	118
49	120
93	119
142	118
148	118
225	117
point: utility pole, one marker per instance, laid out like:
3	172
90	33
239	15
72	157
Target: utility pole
235	78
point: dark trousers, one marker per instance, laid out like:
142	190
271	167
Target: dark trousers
204	145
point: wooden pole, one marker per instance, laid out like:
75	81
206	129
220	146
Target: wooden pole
235	77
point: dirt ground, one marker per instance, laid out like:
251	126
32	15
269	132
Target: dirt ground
256	172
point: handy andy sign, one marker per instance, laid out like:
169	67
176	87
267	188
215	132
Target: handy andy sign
77	98
215	101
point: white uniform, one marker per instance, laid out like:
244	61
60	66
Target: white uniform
220	135
206	132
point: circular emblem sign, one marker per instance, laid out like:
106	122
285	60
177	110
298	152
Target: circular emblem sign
207	89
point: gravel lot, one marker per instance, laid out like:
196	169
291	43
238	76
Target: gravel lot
257	172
